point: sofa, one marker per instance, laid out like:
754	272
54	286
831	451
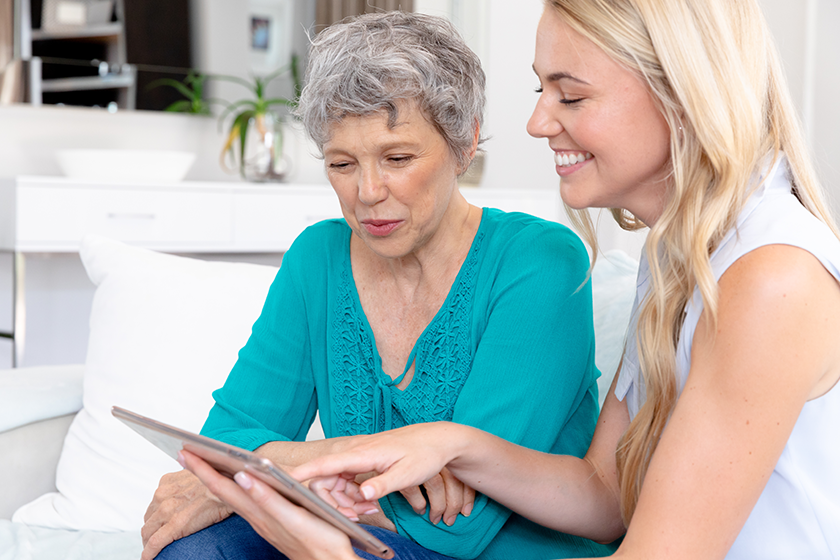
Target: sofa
164	332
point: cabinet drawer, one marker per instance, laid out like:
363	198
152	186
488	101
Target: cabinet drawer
58	217
270	221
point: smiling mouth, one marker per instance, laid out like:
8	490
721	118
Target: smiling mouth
380	228
569	159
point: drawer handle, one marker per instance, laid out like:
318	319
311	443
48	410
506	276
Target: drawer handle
130	216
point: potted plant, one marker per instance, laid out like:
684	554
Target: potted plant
254	144
254	141
192	88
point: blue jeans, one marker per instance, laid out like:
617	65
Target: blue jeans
234	539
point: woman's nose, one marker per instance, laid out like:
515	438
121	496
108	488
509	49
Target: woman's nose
372	188
543	124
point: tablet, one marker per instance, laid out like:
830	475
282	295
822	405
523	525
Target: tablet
229	460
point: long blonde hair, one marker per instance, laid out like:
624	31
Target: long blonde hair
715	75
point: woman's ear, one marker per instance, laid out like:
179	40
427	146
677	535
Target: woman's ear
473	148
475	139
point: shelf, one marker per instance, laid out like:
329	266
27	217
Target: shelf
61	48
84	83
108	30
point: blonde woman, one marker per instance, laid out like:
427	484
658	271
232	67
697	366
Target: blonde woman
717	439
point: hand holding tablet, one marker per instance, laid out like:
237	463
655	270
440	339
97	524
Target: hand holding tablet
229	460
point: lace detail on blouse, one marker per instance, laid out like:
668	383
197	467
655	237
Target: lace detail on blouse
366	400
352	363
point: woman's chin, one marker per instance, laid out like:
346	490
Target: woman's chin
580	198
385	248
574	200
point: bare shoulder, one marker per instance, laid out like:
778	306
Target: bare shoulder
779	270
781	301
779	281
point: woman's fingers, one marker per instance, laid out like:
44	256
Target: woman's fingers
181	506
221	486
448	497
324	488
345	463
405	457
265	497
344	495
291	529
469	500
415	499
445	496
394	478
454	492
436	491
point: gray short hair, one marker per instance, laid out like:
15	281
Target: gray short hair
373	62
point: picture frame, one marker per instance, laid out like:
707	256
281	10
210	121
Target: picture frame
269	35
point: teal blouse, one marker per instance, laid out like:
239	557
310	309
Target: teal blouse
511	351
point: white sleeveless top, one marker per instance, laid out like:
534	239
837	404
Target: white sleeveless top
797	516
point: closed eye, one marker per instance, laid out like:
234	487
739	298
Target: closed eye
539	89
399	160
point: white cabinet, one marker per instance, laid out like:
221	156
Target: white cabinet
53	218
53	214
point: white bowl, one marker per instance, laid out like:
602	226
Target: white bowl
125	166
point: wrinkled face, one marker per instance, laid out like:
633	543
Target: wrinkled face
394	184
611	144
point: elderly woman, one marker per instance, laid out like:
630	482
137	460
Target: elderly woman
416	307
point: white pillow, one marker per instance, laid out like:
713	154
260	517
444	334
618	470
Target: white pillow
164	333
613	292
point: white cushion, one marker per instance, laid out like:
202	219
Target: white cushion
164	333
613	292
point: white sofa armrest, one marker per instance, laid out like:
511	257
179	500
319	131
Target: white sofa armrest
29	460
31	394
37	405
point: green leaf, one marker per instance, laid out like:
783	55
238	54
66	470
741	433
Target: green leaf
296	78
163	82
259	88
243	135
197	83
182	106
234	106
199	107
182	89
232	79
238	131
280	101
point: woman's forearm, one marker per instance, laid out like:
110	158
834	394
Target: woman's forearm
561	492
575	496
